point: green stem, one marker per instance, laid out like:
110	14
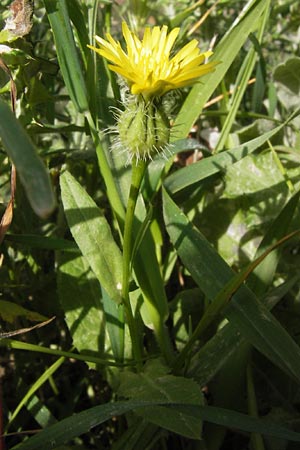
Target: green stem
281	168
138	169
112	193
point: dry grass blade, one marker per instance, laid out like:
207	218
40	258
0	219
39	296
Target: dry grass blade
25	330
8	214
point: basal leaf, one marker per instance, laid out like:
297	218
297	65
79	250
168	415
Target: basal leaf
92	235
80	297
153	385
30	168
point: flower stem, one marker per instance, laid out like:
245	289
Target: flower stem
138	169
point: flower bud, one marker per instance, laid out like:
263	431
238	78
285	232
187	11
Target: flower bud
143	129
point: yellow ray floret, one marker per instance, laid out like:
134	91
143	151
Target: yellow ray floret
147	66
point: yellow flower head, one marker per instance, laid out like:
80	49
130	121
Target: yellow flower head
147	65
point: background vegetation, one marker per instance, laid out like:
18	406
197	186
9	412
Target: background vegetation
215	287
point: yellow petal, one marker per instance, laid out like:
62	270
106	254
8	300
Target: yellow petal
146	63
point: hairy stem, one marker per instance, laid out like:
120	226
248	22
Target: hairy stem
138	169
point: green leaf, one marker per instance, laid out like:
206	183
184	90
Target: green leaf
245	312
9	312
36	385
42	242
180	17
82	422
213	164
76	12
207	362
154	384
262	275
41	413
287	80
225	53
30	168
288	74
67	54
92	235
80	297
254	192
19	345
186	308
242	79
114	318
146	266
147	271
159	164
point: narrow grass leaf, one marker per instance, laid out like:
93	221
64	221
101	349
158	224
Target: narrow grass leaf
93	235
41	413
67	53
79	21
30	168
232	419
213	164
36	385
206	362
179	18
242	81
41	242
159	165
263	275
19	345
217	305
246	313
78	424
225	52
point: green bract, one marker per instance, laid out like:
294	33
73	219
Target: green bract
143	129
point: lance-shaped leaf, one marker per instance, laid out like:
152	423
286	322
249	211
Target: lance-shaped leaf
30	168
245	312
92	235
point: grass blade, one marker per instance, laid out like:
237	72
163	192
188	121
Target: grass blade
66	52
245	312
213	164
81	423
225	52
